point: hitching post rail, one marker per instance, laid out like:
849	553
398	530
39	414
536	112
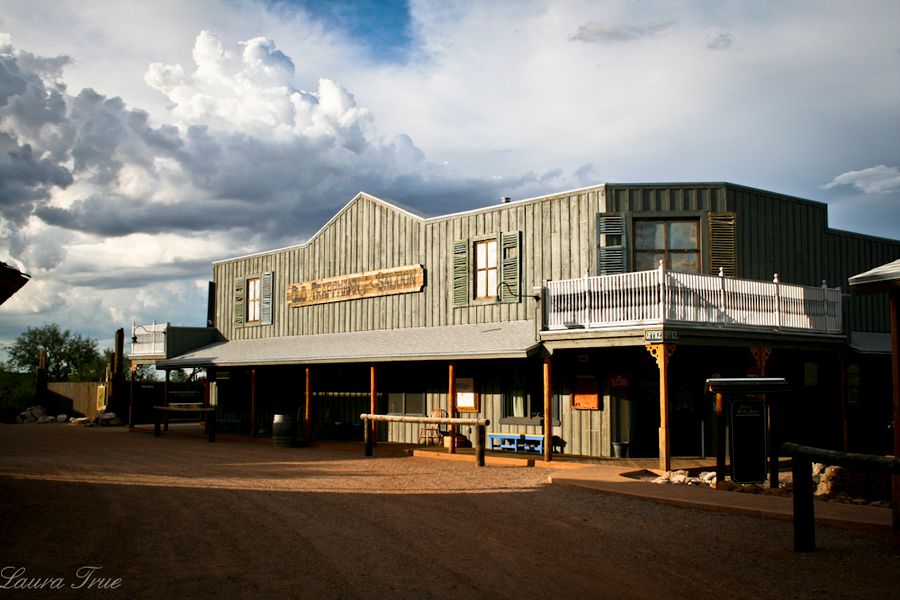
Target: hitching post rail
480	425
801	472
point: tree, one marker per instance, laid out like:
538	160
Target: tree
70	357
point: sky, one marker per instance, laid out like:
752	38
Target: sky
141	141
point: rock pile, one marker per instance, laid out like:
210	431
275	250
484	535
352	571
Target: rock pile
837	483
38	414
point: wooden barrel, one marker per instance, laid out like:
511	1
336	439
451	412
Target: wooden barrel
284	430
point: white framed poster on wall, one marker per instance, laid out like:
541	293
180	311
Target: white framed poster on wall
466	396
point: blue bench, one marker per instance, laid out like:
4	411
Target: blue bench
516	442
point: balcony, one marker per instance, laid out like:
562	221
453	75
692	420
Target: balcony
159	341
659	297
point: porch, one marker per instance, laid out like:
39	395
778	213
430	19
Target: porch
660	297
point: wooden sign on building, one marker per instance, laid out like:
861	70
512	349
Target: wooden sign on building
399	280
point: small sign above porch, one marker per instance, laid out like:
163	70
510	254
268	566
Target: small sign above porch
399	280
658	336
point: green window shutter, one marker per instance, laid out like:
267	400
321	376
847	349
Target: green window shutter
722	237
239	296
266	284
510	274
611	256
460	272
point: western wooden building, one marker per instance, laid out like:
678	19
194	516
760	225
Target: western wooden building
591	318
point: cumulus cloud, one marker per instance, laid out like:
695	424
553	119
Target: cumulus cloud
604	32
877	180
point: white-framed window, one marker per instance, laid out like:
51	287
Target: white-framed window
486	269
253	299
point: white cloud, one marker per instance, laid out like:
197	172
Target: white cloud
874	180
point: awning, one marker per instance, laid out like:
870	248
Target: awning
513	339
880	279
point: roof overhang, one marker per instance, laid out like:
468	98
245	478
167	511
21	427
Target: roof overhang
512	339
884	278
11	281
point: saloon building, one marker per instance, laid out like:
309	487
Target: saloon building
591	317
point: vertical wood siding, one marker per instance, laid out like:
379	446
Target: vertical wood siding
557	242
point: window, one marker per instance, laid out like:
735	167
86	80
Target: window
406	403
523	396
253	298
676	243
486	269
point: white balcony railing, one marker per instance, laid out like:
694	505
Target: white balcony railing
660	297
148	340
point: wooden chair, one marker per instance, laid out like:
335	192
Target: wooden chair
432	431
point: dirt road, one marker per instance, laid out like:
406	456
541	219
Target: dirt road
179	517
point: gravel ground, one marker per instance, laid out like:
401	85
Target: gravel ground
178	517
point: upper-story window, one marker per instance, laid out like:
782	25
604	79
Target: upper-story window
253	297
486	269
675	242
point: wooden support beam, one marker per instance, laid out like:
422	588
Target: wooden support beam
548	410
373	403
307	408
166	397
662	353
720	437
252	402
761	355
895	370
451	404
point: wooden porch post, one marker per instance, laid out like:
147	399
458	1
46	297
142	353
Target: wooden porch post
720	438
761	355
548	411
166	400
307	407
253	402
895	370
373	404
662	353
451	405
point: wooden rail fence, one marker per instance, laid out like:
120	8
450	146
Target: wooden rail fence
480	425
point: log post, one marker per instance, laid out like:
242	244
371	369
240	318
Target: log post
307	408
895	370
40	392
373	404
166	398
548	411
252	402
367	436
451	405
479	445
720	437
804	511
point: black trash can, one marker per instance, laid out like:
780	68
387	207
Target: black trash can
284	430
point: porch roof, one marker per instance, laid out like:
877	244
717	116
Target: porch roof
883	278
512	339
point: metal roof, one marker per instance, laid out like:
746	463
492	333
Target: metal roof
880	279
511	339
